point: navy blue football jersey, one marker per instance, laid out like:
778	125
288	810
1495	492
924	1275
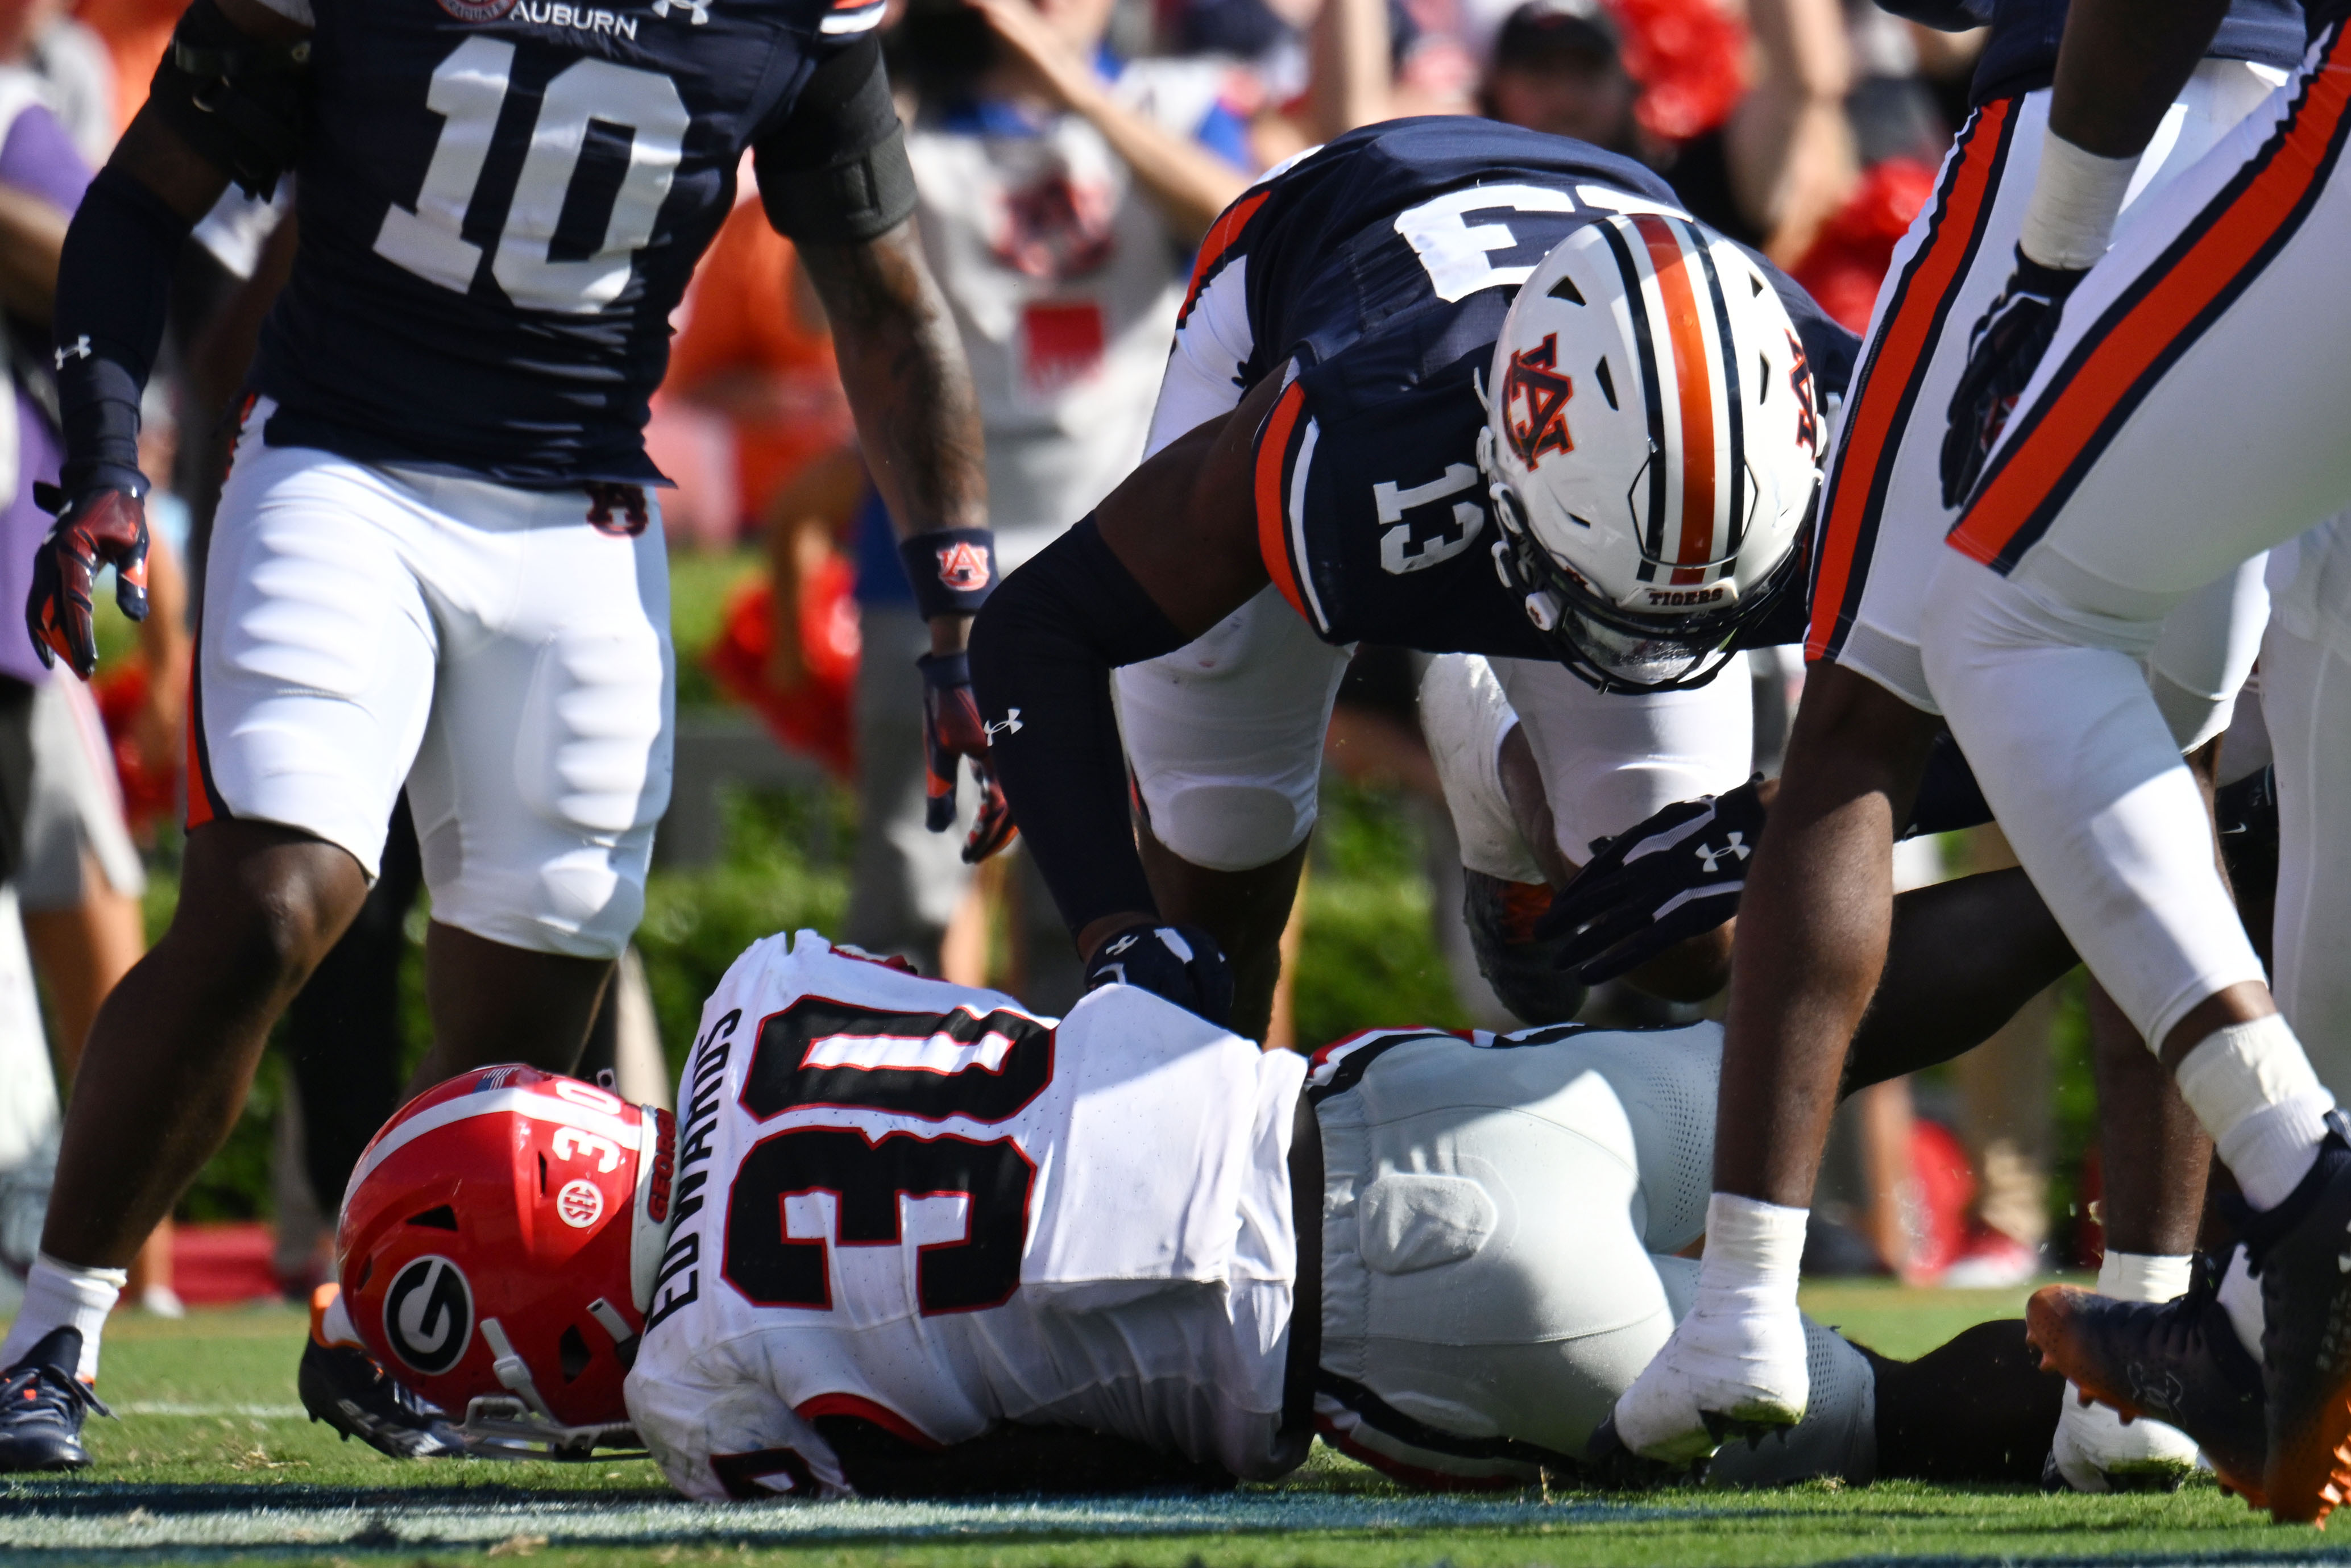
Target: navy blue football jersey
501	203
1382	266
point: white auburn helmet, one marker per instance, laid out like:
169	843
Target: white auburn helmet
1652	449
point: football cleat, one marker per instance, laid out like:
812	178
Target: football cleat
2300	1251
43	1405
2096	1450
341	1384
1721	1375
2180	1363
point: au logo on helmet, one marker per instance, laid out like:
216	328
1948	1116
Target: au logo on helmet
428	1315
962	567
1535	402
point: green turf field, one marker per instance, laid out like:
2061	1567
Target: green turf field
212	1462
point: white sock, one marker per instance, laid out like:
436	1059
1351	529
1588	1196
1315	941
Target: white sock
2252	1088
2142	1277
61	1295
1754	1251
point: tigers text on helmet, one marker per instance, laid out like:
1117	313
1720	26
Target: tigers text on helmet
496	1249
1652	449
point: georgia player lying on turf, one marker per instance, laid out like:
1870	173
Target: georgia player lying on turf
902	1225
435	565
1325	469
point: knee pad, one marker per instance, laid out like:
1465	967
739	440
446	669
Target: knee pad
1228	826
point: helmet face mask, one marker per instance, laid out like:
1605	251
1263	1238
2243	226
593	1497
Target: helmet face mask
1650	451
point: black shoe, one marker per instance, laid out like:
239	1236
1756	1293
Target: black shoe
43	1405
2178	1362
344	1387
2300	1251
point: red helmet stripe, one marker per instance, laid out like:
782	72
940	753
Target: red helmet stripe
1694	387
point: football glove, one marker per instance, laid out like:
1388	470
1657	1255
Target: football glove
1181	963
1524	971
953	731
2003	351
96	528
1675	876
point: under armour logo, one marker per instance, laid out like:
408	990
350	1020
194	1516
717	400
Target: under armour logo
700	9
1122	944
77	349
1712	858
1008	725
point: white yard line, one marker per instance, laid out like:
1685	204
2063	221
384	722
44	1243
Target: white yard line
166	1407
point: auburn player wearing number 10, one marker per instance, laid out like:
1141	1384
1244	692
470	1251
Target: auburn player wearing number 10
907	1237
1446	384
435	563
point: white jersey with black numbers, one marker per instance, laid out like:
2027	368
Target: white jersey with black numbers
922	1205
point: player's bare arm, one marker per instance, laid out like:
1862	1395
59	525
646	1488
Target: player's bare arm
903	366
2122	65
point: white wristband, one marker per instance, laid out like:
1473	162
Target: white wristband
2076	197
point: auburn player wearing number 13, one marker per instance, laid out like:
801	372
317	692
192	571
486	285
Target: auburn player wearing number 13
1445	384
436	562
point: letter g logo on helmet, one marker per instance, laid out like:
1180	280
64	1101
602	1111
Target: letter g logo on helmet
428	1315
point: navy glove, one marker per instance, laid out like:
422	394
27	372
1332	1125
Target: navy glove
953	731
2003	351
96	528
1675	876
1181	963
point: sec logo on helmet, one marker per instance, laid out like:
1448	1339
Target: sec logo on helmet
428	1315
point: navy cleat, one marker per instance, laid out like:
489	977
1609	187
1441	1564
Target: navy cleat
2301	1252
342	1384
43	1405
2178	1362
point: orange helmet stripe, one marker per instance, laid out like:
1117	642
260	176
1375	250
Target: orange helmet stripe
1694	389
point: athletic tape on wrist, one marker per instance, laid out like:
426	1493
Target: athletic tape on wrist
953	570
2076	197
1752	1246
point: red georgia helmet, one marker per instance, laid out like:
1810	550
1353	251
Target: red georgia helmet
499	1239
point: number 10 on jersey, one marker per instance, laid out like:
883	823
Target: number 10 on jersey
469	89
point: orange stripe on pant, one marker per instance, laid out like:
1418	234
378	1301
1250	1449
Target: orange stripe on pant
2123	350
1273	469
1904	346
1221	237
1694	384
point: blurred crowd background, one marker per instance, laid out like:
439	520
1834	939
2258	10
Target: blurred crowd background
1069	156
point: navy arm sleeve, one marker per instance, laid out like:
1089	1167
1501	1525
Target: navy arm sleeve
1041	654
835	171
114	285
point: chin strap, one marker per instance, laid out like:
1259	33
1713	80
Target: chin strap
521	1428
